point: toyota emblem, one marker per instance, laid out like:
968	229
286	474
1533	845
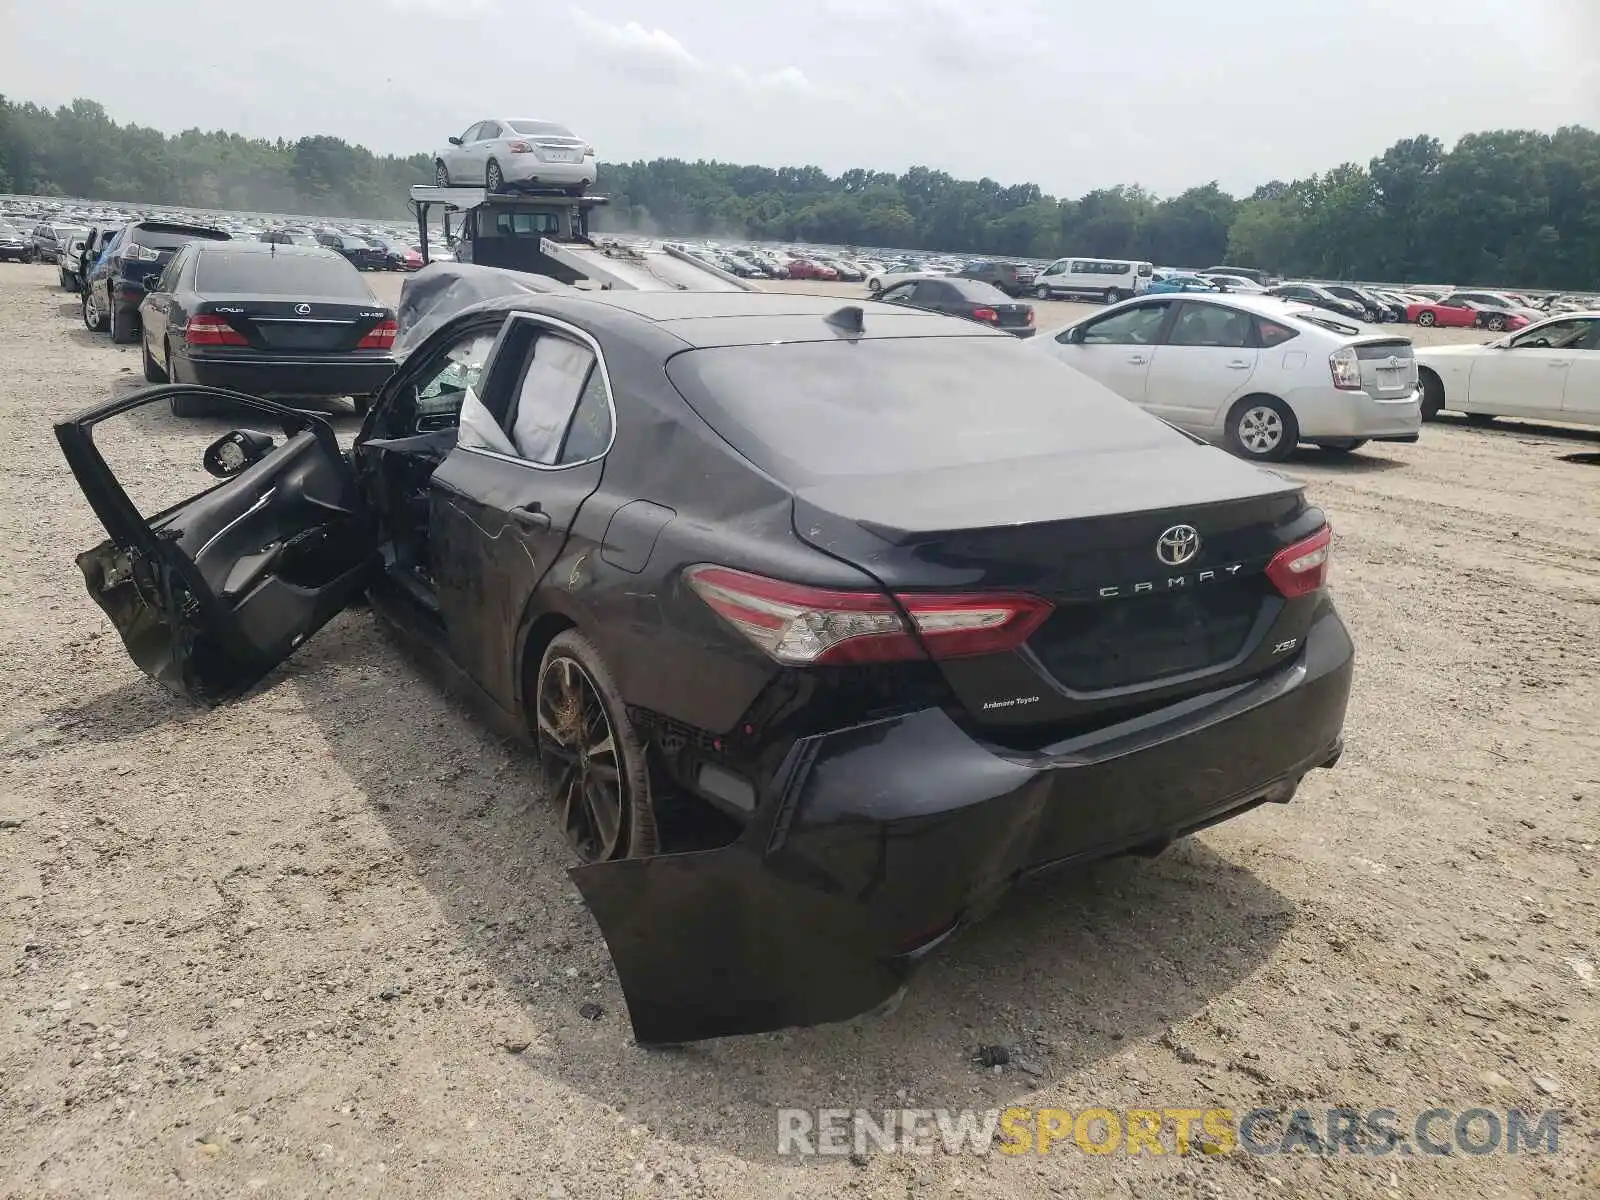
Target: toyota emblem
1178	545
303	310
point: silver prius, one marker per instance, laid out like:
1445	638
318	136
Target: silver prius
1255	374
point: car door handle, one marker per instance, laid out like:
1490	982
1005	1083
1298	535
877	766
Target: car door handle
1239	364
531	517
1565	362
1137	360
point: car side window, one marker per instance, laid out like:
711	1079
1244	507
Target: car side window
169	276
447	387
590	431
552	383
930	292
900	293
1210	325
1560	335
1271	333
1136	326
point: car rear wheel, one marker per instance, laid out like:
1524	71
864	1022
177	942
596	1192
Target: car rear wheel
1042	292
874	286
1496	323
441	174
152	372
1114	295
596	775
123	330
1426	318
493	179
93	319
1263	429
1432	395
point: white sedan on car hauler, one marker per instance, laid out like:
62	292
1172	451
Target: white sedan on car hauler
1254	373
1546	372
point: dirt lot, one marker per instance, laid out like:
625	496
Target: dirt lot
320	942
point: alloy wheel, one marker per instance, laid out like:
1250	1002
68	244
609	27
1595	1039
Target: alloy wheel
91	311
493	178
581	761
1260	430
441	177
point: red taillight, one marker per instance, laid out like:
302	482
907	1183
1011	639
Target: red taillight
203	330
985	314
807	626
520	147
1030	317
380	336
1302	568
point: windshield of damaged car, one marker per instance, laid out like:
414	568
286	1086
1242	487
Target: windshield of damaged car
809	411
259	274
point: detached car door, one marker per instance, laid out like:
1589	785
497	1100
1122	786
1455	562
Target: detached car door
211	593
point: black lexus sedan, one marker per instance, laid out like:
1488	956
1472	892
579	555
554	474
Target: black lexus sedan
268	318
967	298
760	556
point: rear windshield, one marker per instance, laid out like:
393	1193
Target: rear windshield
808	411
278	275
979	292
167	239
540	128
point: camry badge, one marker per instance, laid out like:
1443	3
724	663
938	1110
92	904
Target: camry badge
1178	545
303	309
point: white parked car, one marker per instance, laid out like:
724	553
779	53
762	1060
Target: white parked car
1548	372
1255	374
516	152
878	281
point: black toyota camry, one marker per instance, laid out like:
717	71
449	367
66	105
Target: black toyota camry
790	566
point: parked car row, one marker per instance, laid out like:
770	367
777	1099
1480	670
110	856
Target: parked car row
277	316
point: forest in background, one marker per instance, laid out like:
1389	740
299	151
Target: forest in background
1515	207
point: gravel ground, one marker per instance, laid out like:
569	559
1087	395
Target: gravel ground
320	942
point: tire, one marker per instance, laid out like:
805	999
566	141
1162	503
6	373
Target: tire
1113	295
1342	446
93	319
190	406
1432	395
122	328
600	824
1495	323
494	179
1042	292
152	373
1262	429
62	281
874	286
441	174
1426	318
362	405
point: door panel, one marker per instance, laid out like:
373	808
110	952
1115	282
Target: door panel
1523	381
1123	369
212	593
496	524
1581	400
1192	386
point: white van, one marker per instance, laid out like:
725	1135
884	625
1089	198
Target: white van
1109	279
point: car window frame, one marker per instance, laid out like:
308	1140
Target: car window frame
910	287
1591	335
1171	306
1251	336
499	381
423	364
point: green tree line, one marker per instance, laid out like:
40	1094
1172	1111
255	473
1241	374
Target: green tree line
1517	207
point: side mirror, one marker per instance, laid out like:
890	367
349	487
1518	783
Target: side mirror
233	452
455	141
1074	336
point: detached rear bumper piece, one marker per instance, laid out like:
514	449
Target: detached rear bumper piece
875	843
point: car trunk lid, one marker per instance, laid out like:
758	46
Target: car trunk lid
1388	367
1134	624
311	325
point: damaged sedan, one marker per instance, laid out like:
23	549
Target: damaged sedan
827	626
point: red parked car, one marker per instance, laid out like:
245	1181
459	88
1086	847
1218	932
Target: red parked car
1453	313
804	268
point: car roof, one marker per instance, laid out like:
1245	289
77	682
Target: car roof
268	249
700	320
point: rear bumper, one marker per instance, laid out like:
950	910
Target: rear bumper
1327	412
305	376
527	168
875	843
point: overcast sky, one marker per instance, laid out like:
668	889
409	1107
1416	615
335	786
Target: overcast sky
1072	96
